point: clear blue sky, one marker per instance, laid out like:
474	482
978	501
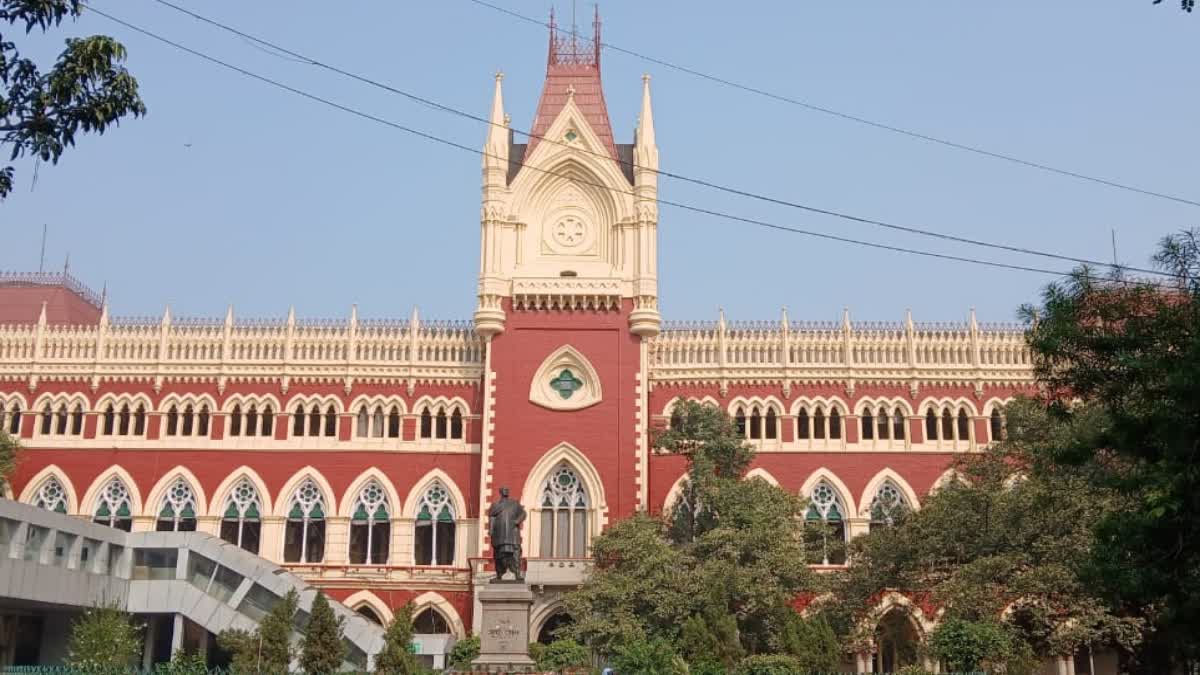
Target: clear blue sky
281	201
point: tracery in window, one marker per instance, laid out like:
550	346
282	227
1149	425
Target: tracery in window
565	514
178	510
304	534
888	506
825	527
370	526
51	496
113	506
435	527
241	522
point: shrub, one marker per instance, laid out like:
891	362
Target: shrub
561	655
103	638
770	664
648	657
812	642
463	653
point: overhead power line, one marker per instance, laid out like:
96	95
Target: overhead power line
454	144
284	52
783	98
277	49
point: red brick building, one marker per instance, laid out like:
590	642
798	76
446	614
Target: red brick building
362	453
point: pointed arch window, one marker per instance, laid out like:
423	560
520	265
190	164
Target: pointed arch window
440	424
189	420
202	421
109	420
173	421
771	425
235	421
47	420
241	522
676	421
825	527
51	496
888	506
964	425
370	526
429	621
10	418
330	421
426	424
113	506
363	423
252	420
868	425
394	423
835	424
802	428
304	534
740	420
565	514
884	419
456	424
369	614
931	425
314	421
947	425
755	423
62	421
77	420
377	422
435	527
178	510
997	425
298	421
898	425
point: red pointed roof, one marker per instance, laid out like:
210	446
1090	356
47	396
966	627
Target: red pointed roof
573	63
66	299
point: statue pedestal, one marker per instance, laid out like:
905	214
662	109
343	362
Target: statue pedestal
504	628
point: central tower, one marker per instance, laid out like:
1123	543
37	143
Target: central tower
568	298
570	218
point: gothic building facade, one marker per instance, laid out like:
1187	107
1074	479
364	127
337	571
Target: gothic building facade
360	454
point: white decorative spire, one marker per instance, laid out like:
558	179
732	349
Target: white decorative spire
496	148
646	147
166	318
291	320
229	316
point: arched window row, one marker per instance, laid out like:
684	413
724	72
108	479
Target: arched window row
442	421
62	419
252	421
310	420
378	421
884	423
191	421
755	423
817	423
123	419
10	417
948	424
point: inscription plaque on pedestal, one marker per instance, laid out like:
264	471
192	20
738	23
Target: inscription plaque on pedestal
504	628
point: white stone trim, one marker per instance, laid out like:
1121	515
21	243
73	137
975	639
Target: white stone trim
435	600
566	357
884	475
156	494
87	505
836	483
35	483
216	507
367	598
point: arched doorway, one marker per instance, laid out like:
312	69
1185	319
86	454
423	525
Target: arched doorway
896	641
549	630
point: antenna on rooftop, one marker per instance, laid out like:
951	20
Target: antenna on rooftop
1114	245
42	261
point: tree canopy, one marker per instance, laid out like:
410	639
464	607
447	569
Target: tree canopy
9	447
717	577
268	649
86	90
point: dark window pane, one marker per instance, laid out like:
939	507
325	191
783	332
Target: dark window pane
423	543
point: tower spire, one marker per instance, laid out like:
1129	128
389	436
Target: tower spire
497	138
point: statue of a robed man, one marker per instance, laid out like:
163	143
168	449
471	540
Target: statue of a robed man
504	528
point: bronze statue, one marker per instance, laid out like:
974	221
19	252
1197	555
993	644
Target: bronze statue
504	528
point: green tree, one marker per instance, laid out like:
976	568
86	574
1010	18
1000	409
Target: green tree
731	547
648	657
1131	353
321	650
978	546
86	90
463	653
812	643
1185	5
9	447
972	645
397	657
711	639
268	649
103	638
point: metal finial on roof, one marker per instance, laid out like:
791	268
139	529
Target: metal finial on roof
570	92
499	75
